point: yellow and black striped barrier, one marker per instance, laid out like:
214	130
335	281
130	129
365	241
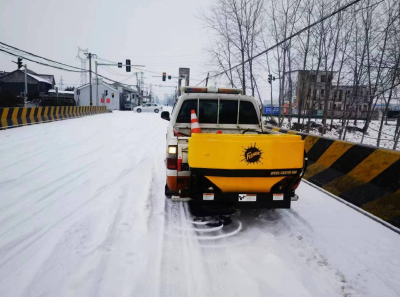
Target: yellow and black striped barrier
366	176
21	116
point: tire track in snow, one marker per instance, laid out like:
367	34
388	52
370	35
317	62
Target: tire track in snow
298	236
187	268
348	287
49	194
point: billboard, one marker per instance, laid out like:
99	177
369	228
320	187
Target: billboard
185	72
267	110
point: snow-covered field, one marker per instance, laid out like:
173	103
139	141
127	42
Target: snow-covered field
387	137
82	213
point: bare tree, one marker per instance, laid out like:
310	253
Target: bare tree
234	27
330	48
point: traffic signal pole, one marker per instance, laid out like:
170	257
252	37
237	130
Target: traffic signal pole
97	78
270	79
272	106
26	86
90	78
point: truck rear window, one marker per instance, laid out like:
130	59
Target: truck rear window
184	113
228	110
247	113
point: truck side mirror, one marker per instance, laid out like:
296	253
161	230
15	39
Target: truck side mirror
165	115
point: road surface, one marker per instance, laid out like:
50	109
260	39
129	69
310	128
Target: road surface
82	213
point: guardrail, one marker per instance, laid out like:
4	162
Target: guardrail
366	176
21	116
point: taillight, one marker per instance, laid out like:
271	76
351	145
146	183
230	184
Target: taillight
172	154
176	133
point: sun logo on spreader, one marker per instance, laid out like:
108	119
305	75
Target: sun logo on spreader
252	155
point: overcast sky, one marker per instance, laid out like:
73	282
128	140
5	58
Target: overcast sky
161	34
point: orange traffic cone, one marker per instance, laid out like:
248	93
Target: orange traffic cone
195	127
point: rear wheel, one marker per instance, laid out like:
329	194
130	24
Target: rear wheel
156	110
138	110
167	192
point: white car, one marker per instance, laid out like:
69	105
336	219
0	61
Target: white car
148	107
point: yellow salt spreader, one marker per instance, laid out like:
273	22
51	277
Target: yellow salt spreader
233	171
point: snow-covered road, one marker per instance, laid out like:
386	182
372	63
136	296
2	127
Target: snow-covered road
82	213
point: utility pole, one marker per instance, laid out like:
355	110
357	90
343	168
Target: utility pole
141	83
90	55
83	64
26	86
179	86
138	89
150	98
90	77
61	83
97	85
207	78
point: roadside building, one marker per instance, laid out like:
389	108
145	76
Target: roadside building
127	96
107	95
311	87
2	73
37	83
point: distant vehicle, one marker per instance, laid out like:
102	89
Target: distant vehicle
148	107
127	105
33	103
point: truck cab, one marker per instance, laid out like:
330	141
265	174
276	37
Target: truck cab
234	159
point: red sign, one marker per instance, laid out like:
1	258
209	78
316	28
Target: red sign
108	100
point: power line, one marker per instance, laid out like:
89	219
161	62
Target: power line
41	63
38	56
288	38
60	68
140	69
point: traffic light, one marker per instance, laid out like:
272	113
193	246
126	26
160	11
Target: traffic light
119	64
19	63
128	65
106	92
270	78
169	76
164	76
112	95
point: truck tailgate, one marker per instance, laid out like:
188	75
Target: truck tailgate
246	151
246	163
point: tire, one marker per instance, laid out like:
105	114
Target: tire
156	110
167	193
138	110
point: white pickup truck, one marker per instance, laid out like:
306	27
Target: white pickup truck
241	166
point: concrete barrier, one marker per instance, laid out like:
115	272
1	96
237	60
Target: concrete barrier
21	116
366	176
